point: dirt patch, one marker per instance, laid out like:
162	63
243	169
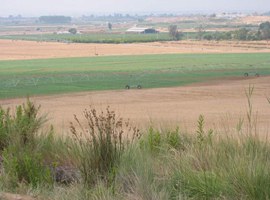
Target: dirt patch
9	196
222	102
18	50
254	19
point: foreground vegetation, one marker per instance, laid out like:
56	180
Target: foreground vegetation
54	76
104	157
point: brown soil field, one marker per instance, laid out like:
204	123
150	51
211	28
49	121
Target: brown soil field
222	102
18	50
254	19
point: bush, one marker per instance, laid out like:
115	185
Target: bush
152	141
21	128
26	167
22	147
27	122
5	122
100	145
174	139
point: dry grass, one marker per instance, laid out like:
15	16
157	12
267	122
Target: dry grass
20	50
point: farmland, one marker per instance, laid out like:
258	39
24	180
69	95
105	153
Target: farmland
53	76
93	38
197	129
27	50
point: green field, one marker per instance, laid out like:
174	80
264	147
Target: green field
54	76
93	38
108	38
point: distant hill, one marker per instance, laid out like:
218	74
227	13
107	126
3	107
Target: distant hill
55	19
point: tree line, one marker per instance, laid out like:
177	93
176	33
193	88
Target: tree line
262	33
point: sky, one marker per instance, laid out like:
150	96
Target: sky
87	7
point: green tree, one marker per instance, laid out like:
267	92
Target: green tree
72	30
264	30
109	26
174	33
241	34
200	32
208	37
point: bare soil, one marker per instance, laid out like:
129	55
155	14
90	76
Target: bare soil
254	19
9	196
222	102
18	50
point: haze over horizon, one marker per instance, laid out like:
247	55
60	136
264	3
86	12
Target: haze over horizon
86	7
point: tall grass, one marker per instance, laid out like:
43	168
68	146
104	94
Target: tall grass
100	145
207	164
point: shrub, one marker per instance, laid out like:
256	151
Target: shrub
4	128
152	141
27	122
21	128
100	145
23	150
26	167
173	139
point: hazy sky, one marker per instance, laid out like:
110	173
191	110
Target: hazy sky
78	7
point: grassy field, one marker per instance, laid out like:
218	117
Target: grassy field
109	38
93	38
54	76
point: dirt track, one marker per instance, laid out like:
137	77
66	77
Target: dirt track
17	50
221	102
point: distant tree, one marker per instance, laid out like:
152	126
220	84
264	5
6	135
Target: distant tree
224	36
200	32
253	35
264	30
174	33
241	34
72	30
208	37
110	26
